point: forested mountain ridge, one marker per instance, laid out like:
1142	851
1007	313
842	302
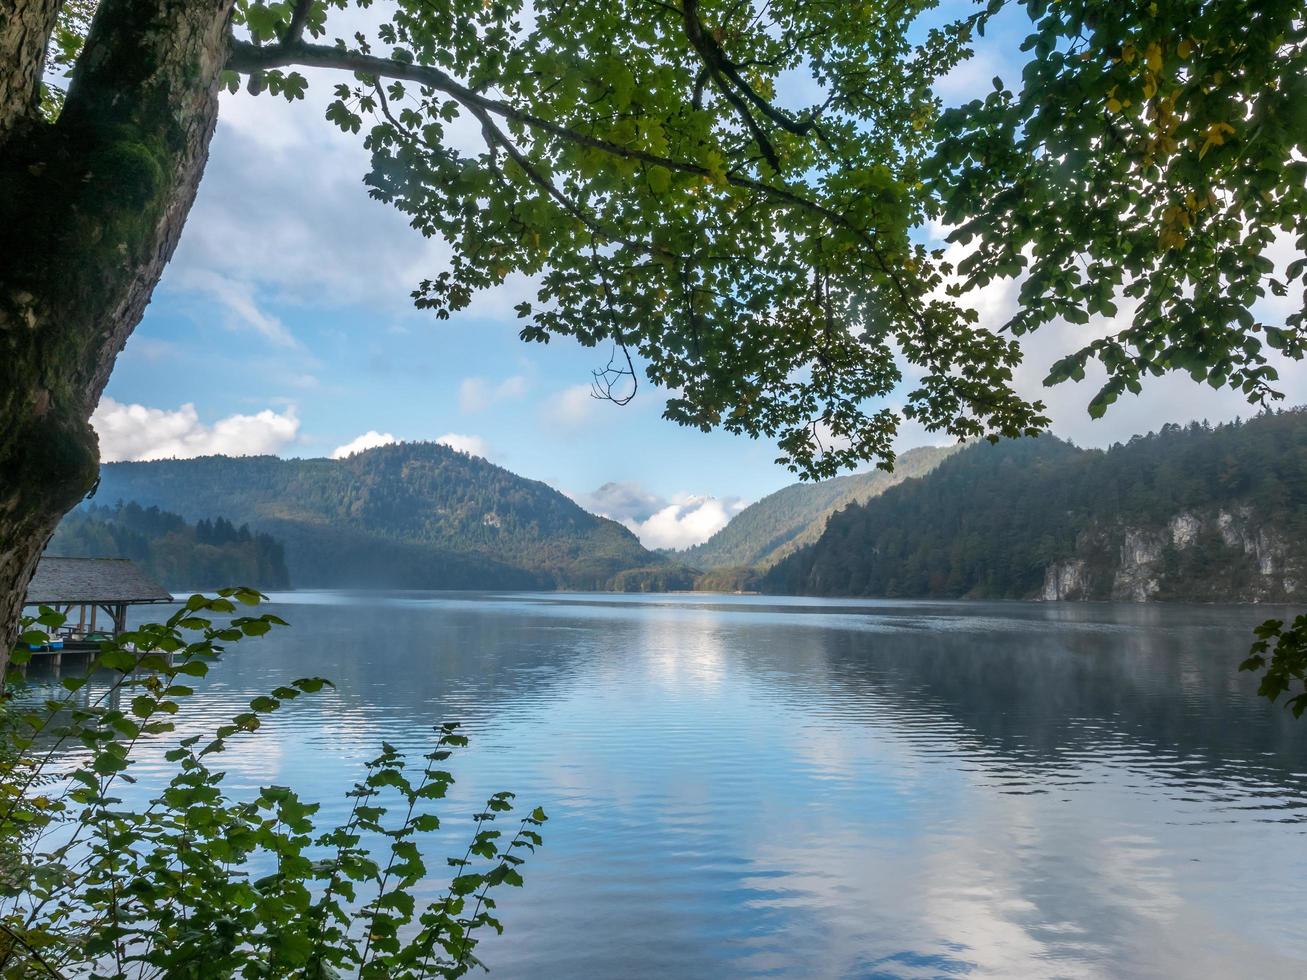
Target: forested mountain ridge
409	515
1193	513
782	522
180	555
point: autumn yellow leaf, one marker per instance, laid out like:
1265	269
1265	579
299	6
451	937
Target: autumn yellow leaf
1215	136
1154	57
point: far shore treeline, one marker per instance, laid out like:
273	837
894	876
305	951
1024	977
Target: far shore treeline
1195	513
175	552
1191	513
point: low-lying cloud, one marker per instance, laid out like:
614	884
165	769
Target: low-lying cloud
472	445
369	440
138	432
685	519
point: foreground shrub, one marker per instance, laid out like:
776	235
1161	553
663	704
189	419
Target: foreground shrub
196	884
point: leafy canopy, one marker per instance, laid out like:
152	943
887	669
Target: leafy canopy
726	191
1151	159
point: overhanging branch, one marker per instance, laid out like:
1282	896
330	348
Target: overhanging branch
247	58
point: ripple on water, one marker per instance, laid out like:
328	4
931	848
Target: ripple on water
741	786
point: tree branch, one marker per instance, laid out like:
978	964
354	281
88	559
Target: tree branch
714	62
298	19
40	960
245	57
726	71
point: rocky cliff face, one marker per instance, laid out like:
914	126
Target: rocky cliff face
1223	555
1065	580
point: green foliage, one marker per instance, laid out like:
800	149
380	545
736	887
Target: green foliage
1285	662
414	515
65	47
740	578
655	171
1152	153
747	242
198	884
989	521
780	523
179	554
656	578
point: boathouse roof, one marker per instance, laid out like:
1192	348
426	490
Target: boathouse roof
61	581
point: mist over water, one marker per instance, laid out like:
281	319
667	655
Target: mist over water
751	786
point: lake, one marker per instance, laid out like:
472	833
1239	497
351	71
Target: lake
753	786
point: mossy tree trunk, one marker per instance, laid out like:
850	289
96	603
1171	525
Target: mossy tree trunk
91	208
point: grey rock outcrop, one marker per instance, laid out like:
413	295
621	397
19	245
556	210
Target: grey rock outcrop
1140	563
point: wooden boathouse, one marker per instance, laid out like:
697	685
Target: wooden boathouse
94	594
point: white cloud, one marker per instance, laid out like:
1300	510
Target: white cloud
472	445
280	186
572	406
478	394
685	520
369	440
137	432
237	298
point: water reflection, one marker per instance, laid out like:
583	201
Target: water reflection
746	787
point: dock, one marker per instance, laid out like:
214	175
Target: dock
94	594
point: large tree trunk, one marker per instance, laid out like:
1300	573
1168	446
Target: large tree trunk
91	208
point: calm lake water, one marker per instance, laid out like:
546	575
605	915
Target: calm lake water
751	786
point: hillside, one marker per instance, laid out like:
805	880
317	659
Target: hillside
778	524
412	515
181	555
1190	513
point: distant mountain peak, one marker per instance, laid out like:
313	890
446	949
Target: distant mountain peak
766	531
416	514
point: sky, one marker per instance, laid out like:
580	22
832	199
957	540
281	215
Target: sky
284	325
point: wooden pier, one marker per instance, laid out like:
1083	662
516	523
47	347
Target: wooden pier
94	594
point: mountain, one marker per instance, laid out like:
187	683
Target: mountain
765	532
410	515
207	554
1194	513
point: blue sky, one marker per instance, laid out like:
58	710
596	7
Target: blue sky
284	325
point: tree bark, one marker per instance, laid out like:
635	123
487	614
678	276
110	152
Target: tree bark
25	29
91	209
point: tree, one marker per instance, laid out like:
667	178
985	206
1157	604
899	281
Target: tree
1148	166
636	161
1153	159
753	251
